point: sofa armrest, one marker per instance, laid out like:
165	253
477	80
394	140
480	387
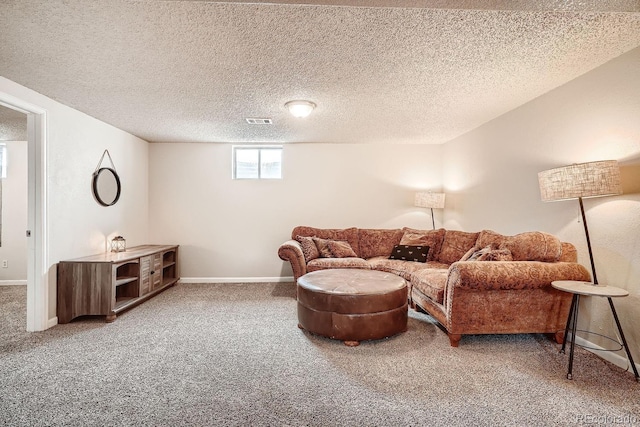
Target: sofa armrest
507	297
511	275
292	251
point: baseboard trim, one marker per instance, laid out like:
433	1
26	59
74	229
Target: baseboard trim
609	356
236	279
12	282
52	322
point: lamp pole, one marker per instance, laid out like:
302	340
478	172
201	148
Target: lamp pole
433	221
586	232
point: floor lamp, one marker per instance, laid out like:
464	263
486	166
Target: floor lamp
577	181
427	199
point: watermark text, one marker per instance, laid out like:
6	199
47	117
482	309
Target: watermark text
592	419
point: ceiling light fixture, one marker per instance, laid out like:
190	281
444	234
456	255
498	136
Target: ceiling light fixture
300	108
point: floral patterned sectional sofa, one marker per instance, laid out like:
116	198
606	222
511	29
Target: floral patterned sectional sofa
469	282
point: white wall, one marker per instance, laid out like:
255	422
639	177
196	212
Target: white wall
490	177
231	229
77	225
14	214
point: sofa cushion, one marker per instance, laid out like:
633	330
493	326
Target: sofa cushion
488	253
309	248
431	238
348	234
430	282
410	253
535	246
377	242
490	238
323	247
500	254
455	245
325	263
341	249
528	246
569	253
403	269
469	254
474	253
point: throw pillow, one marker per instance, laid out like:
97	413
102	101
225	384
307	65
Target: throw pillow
410	253
323	247
413	239
309	248
470	252
489	253
455	244
341	249
490	237
501	254
431	238
479	252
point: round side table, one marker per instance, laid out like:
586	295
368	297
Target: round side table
578	288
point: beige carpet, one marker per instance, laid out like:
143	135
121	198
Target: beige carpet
231	354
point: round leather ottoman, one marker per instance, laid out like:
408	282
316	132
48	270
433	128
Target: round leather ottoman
352	305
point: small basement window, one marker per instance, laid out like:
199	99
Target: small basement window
257	162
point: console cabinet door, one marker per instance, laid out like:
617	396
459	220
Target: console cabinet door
156	271
145	275
150	273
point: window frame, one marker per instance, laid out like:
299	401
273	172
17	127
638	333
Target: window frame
260	148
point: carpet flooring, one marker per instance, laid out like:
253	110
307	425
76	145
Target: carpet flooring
232	355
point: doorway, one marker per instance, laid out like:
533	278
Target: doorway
36	232
13	197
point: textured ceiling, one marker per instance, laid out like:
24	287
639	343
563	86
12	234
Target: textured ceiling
566	5
192	71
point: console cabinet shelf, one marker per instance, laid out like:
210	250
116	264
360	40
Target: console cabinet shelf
109	283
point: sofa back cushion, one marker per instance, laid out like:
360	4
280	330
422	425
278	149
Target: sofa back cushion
569	253
529	246
431	238
377	242
348	234
536	246
491	238
455	245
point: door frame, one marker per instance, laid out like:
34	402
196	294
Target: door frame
37	241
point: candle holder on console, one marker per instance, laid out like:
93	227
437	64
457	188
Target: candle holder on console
118	244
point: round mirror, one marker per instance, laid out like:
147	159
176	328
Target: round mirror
106	186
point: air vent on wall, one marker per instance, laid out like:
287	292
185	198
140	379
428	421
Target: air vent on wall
253	121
